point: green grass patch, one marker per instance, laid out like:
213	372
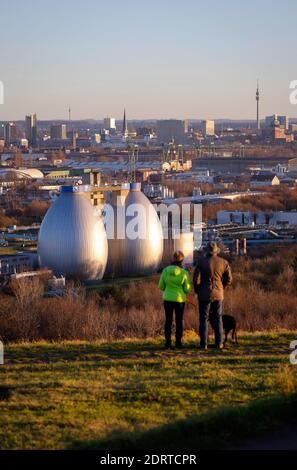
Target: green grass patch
91	395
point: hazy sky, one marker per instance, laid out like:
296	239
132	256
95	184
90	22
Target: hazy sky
159	58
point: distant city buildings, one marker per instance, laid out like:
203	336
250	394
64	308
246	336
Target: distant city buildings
59	131
169	130
31	129
293	128
208	127
109	123
263	180
276	120
277	128
10	133
97	139
249	218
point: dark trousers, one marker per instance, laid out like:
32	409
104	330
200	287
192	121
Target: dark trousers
214	308
170	308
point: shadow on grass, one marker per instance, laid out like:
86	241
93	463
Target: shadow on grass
220	429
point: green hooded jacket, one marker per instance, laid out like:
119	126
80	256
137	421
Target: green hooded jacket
175	283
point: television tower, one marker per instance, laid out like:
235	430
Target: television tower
257	100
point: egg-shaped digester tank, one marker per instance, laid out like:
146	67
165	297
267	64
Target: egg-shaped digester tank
135	236
72	238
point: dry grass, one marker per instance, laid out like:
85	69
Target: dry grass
263	298
80	393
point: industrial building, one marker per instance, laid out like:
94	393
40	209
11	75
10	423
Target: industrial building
72	240
9	176
277	218
169	130
265	179
133	252
80	241
16	263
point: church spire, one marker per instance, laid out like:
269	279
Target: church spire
125	127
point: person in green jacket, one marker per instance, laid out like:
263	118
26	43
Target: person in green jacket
175	284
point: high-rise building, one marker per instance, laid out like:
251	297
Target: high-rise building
169	130
284	122
109	123
271	120
59	131
208	127
276	120
31	129
10	133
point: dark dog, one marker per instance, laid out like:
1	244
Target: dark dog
5	392
229	325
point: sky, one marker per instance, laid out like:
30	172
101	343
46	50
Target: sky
158	58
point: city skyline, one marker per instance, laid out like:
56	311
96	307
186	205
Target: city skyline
189	61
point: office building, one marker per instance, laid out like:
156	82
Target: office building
208	127
10	133
169	130
284	122
276	120
109	123
31	129
59	131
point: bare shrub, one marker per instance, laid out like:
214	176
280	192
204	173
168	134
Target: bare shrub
256	309
27	292
263	297
284	379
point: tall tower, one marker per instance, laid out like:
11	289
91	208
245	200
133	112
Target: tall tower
257	100
125	127
31	129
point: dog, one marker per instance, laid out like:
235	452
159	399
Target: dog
229	325
5	392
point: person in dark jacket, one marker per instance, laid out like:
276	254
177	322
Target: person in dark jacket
211	276
175	283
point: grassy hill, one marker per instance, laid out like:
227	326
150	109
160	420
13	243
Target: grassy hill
94	395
